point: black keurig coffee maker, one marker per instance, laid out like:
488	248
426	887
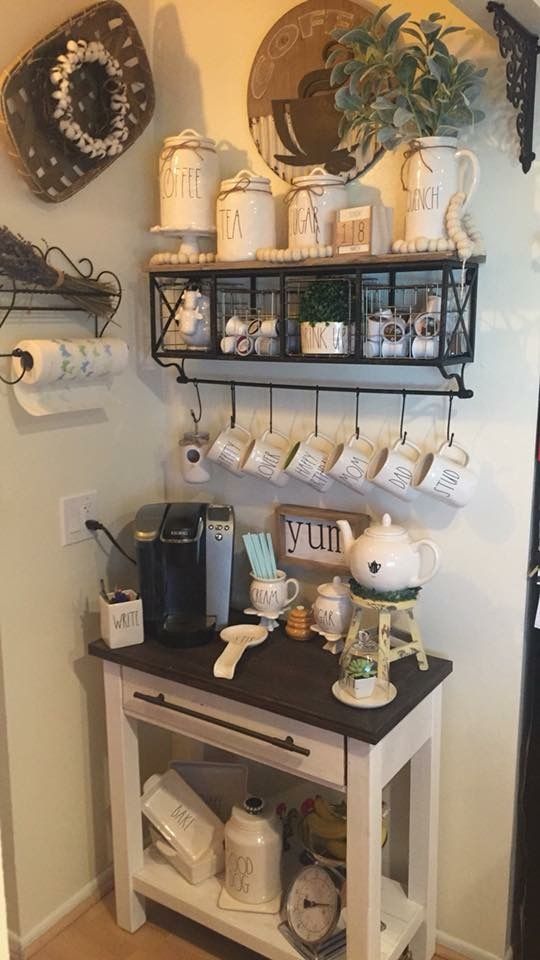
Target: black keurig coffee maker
184	556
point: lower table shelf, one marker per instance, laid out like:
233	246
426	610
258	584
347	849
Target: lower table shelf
160	882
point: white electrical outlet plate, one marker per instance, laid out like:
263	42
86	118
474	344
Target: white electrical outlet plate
74	512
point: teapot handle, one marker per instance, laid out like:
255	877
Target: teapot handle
418	581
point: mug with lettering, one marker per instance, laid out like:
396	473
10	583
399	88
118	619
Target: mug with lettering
392	469
350	461
230	448
446	475
266	458
307	461
270	597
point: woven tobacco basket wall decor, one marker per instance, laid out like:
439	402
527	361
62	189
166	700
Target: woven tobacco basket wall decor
54	167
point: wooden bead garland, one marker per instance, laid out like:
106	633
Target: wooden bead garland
274	255
176	258
463	236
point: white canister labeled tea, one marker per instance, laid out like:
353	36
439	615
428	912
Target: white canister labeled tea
253	845
188	182
313	203
245	217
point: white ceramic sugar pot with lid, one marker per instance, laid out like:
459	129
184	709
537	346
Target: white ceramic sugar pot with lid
385	557
332	609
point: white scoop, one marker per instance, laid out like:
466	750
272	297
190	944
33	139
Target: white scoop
237	639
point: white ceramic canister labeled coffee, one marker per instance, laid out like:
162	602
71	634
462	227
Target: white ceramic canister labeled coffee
188	182
313	203
245	217
253	845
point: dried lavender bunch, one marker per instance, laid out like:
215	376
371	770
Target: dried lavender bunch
20	260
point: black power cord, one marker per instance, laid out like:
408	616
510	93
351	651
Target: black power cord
95	525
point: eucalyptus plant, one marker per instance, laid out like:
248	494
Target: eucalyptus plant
398	81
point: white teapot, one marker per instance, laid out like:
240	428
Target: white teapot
385	558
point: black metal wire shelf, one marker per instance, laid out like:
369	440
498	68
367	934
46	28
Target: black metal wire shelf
456	284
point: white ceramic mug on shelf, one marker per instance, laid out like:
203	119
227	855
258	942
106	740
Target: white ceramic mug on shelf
267	456
376	320
269	328
372	347
266	346
228	344
230	448
425	348
270	597
307	461
392	468
446	475
235	327
349	462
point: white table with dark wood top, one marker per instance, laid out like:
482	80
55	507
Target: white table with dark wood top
279	710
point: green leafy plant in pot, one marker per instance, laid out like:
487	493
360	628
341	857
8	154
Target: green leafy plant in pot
398	83
324	316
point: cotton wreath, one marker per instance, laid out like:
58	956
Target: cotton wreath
79	52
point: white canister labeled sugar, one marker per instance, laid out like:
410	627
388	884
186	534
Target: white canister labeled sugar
188	182
245	217
313	203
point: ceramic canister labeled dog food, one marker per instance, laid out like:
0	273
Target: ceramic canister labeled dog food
188	182
245	216
313	203
253	845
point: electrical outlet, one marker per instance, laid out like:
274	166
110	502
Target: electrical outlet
74	512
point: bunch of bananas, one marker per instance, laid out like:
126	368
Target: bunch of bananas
324	829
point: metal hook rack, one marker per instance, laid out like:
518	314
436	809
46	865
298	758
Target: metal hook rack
15	293
459	390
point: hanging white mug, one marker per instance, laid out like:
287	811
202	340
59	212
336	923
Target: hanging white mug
267	456
350	461
446	475
230	448
392	468
307	461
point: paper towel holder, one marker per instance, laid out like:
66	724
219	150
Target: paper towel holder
27	362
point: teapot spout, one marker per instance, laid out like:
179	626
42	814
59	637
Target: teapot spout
347	538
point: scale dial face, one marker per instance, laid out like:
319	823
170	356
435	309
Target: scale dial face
313	905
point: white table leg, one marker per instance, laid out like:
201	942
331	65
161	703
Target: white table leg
423	832
364	789
124	782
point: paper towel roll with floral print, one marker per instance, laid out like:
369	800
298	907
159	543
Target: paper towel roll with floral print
68	375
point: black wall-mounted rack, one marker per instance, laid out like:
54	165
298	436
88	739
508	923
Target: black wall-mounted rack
456	283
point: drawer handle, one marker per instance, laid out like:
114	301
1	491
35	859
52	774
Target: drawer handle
286	744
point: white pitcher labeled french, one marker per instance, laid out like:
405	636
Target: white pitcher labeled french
435	171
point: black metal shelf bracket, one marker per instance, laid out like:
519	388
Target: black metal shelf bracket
520	49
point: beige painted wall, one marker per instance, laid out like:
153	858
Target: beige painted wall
473	611
54	796
53	767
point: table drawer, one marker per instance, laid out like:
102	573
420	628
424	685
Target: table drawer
249	731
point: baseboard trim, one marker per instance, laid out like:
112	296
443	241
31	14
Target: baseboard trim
22	948
450	948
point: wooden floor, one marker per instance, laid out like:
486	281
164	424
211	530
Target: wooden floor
166	936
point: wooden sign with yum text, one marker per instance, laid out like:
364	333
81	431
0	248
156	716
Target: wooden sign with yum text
310	537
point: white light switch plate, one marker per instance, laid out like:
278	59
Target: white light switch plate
74	512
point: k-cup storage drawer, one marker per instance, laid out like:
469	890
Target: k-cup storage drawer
240	728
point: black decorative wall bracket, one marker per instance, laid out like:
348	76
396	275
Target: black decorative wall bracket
520	49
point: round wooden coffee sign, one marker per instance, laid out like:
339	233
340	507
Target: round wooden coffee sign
292	116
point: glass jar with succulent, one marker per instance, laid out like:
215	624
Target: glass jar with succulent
324	315
398	83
